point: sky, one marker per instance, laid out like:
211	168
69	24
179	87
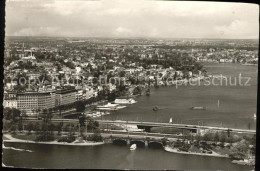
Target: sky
132	18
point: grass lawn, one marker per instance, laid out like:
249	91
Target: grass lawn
194	149
220	150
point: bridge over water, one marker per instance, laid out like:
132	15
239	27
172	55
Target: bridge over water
140	141
194	128
148	125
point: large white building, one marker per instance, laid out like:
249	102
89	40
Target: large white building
31	102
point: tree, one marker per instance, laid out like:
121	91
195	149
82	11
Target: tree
20	126
37	128
82	120
6	125
240	150
92	125
16	114
7	113
30	127
44	127
96	137
80	106
198	137
70	65
137	91
253	140
47	115
51	128
59	127
223	137
208	136
82	130
216	137
13	129
164	141
111	96
12	114
122	74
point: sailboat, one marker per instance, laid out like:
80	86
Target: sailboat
170	120
254	115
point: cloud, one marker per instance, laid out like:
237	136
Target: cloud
132	18
40	31
237	28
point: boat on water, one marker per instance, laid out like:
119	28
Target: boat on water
97	114
125	101
110	106
198	108
155	108
254	115
170	120
133	147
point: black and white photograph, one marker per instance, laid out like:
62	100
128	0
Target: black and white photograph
130	85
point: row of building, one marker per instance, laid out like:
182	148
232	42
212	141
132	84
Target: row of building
33	102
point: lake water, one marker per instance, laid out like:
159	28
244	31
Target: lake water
110	156
236	109
237	104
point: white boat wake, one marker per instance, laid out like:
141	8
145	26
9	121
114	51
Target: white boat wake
17	149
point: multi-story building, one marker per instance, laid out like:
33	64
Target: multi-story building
31	102
10	100
64	97
10	103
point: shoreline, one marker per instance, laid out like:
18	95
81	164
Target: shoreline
16	140
173	150
166	148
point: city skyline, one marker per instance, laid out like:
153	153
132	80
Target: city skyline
133	19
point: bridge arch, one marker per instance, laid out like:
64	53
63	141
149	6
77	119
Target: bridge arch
139	143
119	141
155	144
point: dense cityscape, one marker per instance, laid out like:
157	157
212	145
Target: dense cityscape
51	78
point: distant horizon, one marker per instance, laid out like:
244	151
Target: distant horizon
135	38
